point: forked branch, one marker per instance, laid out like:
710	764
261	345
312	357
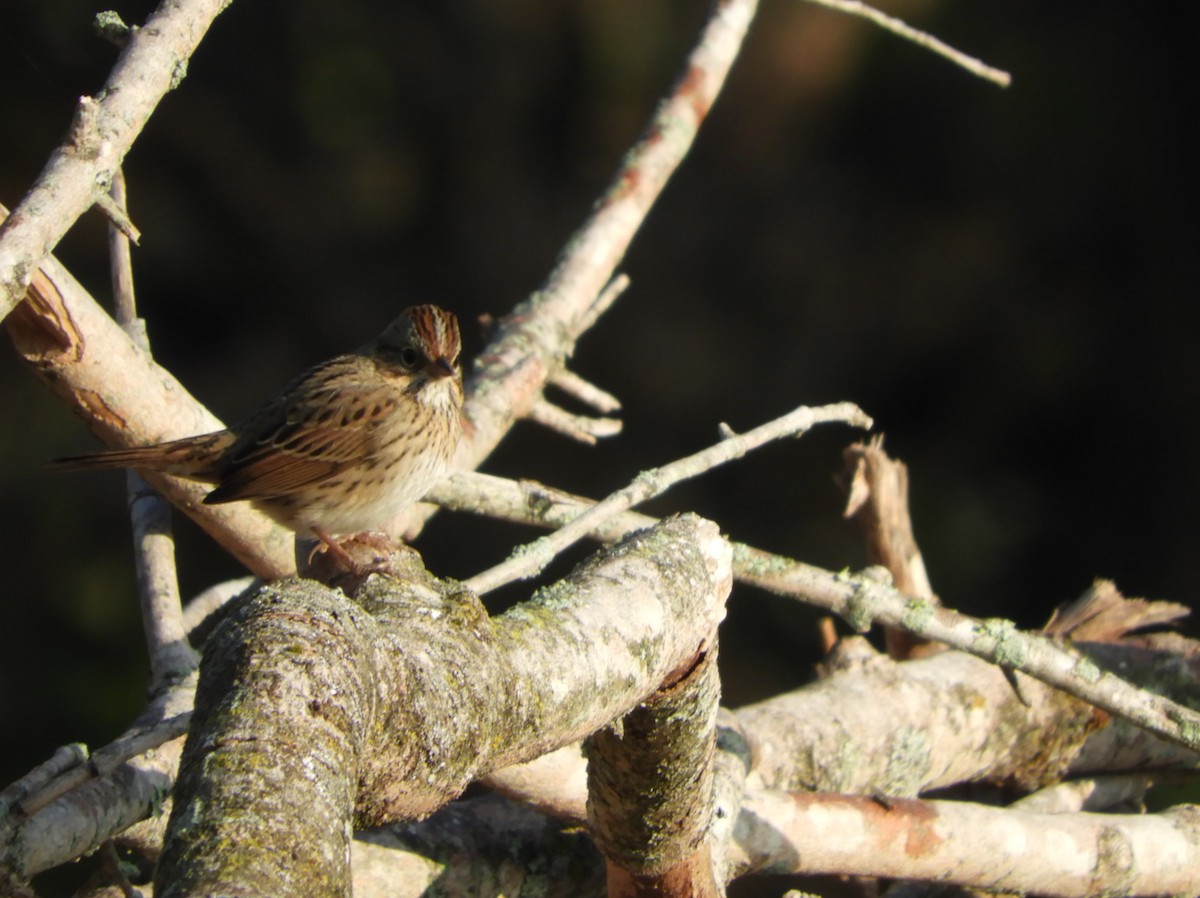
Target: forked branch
530	559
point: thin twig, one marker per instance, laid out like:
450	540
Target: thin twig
120	259
66	758
144	759
117	216
105	760
204	604
920	38
154	545
586	391
604	301
528	560
582	428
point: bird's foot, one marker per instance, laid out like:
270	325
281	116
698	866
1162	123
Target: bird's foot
355	557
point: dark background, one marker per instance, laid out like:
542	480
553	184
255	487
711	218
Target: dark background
998	277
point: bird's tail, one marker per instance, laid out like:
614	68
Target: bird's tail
190	457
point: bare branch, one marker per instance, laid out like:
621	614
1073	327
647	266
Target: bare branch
650	788
66	758
877	488
56	818
154	545
582	428
117	216
477	847
527	561
527	502
603	302
555	783
861	600
1123	792
384	710
877	499
77	349
912	736
532	341
1102	614
104	129
108	759
587	393
920	38
202	605
1000	850
731	769
470	843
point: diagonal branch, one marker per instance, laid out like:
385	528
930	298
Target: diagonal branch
861	599
127	399
529	560
105	127
923	39
534	340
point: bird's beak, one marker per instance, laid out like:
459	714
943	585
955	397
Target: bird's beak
440	367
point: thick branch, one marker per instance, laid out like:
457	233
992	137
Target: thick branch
927	724
936	722
916	733
468	846
383	714
650	789
1000	850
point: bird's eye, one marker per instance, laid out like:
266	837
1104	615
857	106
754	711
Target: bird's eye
409	357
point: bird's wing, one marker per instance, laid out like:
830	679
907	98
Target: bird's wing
320	425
